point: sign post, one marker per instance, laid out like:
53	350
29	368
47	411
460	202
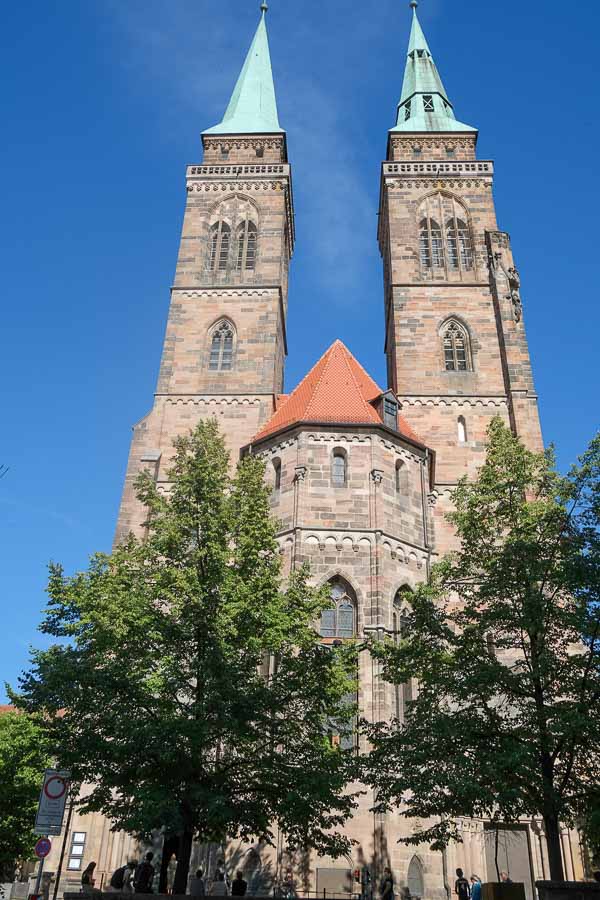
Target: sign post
53	798
42	849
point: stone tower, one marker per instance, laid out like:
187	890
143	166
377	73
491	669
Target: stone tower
361	477
225	340
455	339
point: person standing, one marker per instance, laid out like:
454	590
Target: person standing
475	887
505	878
128	876
197	886
171	870
219	886
386	886
144	875
87	878
461	886
239	886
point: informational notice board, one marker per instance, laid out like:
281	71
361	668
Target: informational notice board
53	799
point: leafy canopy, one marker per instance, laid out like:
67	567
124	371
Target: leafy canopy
505	644
23	759
194	685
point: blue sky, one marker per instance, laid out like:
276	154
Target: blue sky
103	102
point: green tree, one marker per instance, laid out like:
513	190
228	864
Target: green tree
194	685
23	758
505	644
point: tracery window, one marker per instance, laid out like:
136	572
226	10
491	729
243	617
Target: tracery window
247	239
339	468
220	241
457	351
339	620
221	348
445	240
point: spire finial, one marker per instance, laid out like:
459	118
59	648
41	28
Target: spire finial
413	4
264	7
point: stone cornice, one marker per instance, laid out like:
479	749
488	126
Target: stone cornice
459	400
405	551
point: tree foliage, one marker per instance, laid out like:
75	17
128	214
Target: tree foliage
505	644
23	759
194	685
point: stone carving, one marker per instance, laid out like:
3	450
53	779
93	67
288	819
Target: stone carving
514	283
377	476
300	473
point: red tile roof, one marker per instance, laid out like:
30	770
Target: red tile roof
7	709
337	390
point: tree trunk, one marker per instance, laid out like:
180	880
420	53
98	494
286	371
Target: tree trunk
186	839
552	828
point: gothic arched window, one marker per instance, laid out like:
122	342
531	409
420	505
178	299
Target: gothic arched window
277	474
220	241
431	244
462	430
221	348
247	237
457	350
339	468
401	479
339	620
445	240
403	693
458	237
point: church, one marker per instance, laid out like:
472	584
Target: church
361	474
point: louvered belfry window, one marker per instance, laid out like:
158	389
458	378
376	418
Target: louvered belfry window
445	239
220	240
247	238
456	348
221	348
431	244
460	254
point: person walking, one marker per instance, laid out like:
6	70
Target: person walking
386	886
197	886
461	886
144	875
475	887
87	878
239	886
219	886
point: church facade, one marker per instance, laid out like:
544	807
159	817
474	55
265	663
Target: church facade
361	475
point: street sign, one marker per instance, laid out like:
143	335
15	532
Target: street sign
43	848
53	798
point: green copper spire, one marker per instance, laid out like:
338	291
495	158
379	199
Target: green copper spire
253	107
424	103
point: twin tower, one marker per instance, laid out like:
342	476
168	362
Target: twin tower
361	476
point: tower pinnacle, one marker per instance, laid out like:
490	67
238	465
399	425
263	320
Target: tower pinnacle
253	107
424	103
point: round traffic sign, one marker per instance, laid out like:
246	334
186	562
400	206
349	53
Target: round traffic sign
43	848
55	787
